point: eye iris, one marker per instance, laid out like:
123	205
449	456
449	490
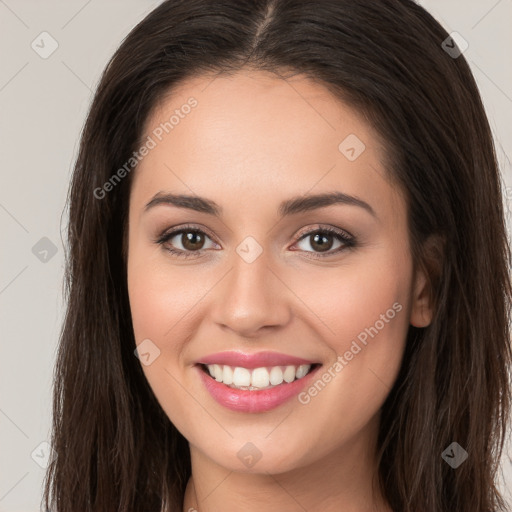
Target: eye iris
319	241
190	239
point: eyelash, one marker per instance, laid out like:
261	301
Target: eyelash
347	240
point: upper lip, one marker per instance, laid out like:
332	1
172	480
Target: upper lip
255	360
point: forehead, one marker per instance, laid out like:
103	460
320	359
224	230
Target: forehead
253	134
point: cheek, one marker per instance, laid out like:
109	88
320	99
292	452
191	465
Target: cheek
362	313
162	296
364	302
163	302
366	313
371	292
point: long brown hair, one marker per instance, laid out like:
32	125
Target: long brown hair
116	450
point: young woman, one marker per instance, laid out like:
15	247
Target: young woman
287	278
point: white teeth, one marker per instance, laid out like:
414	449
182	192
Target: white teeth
302	370
217	372
241	376
258	378
289	374
276	376
227	375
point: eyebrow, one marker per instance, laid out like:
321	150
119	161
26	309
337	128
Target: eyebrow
291	206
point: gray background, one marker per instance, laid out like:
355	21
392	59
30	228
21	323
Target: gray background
43	103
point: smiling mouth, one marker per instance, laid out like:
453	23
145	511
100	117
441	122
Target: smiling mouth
257	379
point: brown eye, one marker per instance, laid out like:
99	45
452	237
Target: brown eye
192	240
322	241
184	242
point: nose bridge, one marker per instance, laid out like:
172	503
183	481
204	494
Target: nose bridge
250	297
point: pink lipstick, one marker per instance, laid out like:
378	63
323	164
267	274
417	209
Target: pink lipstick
255	382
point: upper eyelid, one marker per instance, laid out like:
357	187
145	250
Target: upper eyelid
172	232
321	228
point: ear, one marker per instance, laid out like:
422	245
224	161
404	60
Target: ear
421	305
425	277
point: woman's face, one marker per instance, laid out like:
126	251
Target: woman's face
252	152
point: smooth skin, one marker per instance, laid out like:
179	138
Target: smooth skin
253	141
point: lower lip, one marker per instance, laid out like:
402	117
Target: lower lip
254	401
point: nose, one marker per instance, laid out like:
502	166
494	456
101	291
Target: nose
251	298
